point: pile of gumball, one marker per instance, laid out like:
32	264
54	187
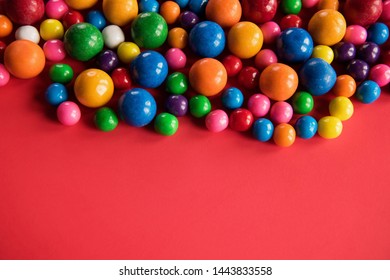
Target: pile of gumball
258	65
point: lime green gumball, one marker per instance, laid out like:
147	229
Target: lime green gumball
149	30
177	83
199	106
106	119
61	73
166	124
302	102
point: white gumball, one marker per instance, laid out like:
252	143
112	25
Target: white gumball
28	32
113	36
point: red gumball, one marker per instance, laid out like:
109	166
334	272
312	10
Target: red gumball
233	65
362	12
249	77
25	12
121	78
72	17
289	21
241	120
259	11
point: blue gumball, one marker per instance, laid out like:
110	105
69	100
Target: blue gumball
56	93
97	19
368	92
182	3
137	107
294	45
197	6
207	39
306	127
378	33
149	69
263	129
317	76
232	98
149	6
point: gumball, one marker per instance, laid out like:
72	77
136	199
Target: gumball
302	102
61	73
137	107
330	127
309	3
380	74
317	76
324	52
6	26
355	34
291	6
121	78
83	41
241	119
177	38
71	17
127	52
363	12
176	58
97	19
107	60
259	105
259	11
369	52
199	106
217	121
56	93
113	36
328	4
182	3
271	31
345	86
368	92
294	45
120	12
27	32
344	51
170	11
177	105
56	9
24	59
378	33
249	77
81	5
105	119
263	129
341	107
149	6
306	127
232	98
245	39
327	27
51	29
208	76
281	112
197	6
68	113
93	88
188	20
264	58
207	39
224	12
166	124
385	15
278	81
284	135
149	69
232	64
4	75
25	12
177	83
358	69
149	30
54	50
290	21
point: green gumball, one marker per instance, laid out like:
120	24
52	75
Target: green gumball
149	30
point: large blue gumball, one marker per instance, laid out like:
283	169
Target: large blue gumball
294	45
207	39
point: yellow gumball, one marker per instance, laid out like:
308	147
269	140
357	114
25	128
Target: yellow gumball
245	39
324	52
177	38
127	51
93	88
51	29
120	12
330	127
341	107
81	5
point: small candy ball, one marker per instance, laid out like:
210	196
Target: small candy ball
385	16
341	107
177	83
281	112
249	77
290	21
259	11
355	34
294	45
232	98
241	120
380	74
81	5
327	27
188	20
309	3
291	6
97	19
324	52
306	127
27	32
149	6
378	33
199	106
284	135
177	105
176	58
344	51
170	11
149	69
208	76
51	29
105	119
345	86
149	30
264	58
121	78
107	60
166	124
71	17
271	31
245	39
24	12
68	113
54	50
368	92
137	107
330	127
217	121
83	41
207	39
182	3
6	26
127	51
328	4
363	12
232	64
278	81
224	12
177	38
317	76
358	69
369	52
302	102
61	73
120	12
56	93
259	105
263	129
24	59
113	36
93	88
197	6
4	75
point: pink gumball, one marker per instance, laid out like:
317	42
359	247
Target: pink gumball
176	58
217	121
4	75
380	74
264	58
68	113
259	104
54	50
56	9
355	34
309	3
281	112
270	30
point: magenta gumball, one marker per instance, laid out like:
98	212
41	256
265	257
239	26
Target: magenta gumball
270	30
380	74
217	120
259	105
68	113
4	75
264	58
176	58
355	34
56	9
54	50
281	112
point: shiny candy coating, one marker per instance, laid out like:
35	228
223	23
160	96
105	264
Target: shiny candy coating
232	98
207	39
281	112
176	58
358	69
177	38
369	52
290	21
199	106
345	86
284	135
68	113
249	77
224	12
197	6
245	39
127	51
4	75
121	78
105	119
330	127
355	34
149	30
25	12
262	129
97	19
166	124
107	60
56	93
259	105
378	33
294	45
188	20
328	4
27	32
344	51
177	105
306	127
113	36
71	17
217	120
182	3
232	64
302	102
368	92
259	11
170	11
291	6
6	26
120	12
61	73
341	107
81	5
54	50
380	74
363	12
51	29
324	52
264	58
176	83
271	31
241	120
148	6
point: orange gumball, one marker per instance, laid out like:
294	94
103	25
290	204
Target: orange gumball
328	4
345	86
284	135
170	11
278	81
177	38
224	12
208	76
81	5
5	26
24	59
